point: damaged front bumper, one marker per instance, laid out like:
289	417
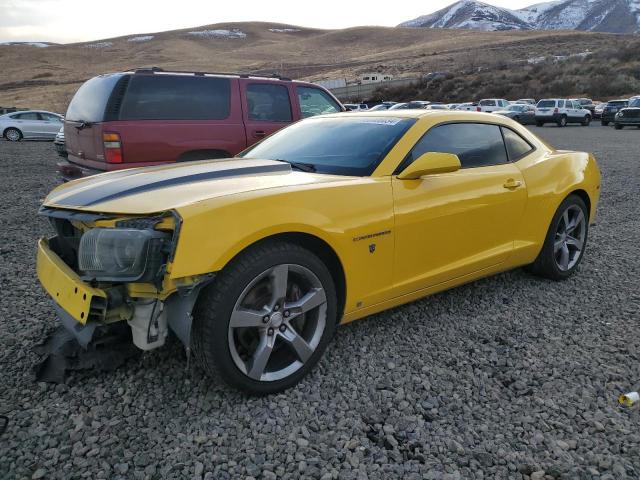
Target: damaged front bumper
82	307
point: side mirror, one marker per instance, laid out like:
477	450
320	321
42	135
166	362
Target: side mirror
430	163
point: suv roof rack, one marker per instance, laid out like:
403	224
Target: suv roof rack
241	75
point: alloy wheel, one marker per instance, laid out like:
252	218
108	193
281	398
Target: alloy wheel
277	322
570	237
13	135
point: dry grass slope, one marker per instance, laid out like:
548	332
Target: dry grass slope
48	77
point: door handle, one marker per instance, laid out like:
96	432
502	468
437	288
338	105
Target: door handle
259	133
512	184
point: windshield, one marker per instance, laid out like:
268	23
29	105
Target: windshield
635	103
617	103
341	146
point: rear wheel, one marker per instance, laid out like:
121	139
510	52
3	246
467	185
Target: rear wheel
517	118
13	134
586	121
267	318
604	123
565	242
617	126
539	124
563	121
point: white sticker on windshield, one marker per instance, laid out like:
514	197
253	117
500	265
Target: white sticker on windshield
380	121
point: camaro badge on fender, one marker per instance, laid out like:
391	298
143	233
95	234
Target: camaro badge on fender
372	248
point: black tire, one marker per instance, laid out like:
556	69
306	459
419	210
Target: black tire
617	126
604	123
545	264
13	134
586	121
563	121
517	118
215	305
539	124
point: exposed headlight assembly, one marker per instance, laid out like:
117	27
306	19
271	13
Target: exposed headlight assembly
121	254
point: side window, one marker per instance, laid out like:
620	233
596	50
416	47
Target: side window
28	116
560	103
268	102
476	144
176	97
314	101
517	147
49	117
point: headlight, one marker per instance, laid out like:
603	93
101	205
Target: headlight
121	254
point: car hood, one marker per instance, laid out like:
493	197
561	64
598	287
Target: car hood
505	112
156	189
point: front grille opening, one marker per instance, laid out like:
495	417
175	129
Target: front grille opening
67	241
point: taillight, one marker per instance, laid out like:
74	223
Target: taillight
478	109
112	147
555	110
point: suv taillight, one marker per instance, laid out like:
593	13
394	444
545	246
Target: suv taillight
478	109
112	147
555	110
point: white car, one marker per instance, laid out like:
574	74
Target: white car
492	104
30	124
356	106
561	111
467	106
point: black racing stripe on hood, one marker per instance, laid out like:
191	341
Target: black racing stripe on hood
139	183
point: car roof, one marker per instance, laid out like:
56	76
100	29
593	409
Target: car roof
419	113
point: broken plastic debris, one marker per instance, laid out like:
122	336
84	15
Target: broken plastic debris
109	348
629	399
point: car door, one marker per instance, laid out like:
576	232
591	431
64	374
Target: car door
453	224
50	124
267	107
29	124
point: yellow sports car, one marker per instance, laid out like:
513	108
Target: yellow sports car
253	261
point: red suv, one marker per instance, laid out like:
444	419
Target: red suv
150	117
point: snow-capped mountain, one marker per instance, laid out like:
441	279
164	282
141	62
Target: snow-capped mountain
471	14
615	16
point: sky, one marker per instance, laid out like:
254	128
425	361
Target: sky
66	21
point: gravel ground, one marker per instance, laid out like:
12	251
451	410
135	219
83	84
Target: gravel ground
508	377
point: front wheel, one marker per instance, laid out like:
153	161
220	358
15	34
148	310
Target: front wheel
586	121
617	126
267	318
604	123
13	134
565	242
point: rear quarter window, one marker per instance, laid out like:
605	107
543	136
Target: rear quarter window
546	104
164	97
90	101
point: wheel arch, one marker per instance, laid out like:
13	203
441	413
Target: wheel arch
320	248
4	132
584	196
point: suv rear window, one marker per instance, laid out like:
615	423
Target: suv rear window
90	101
488	103
546	103
617	103
176	97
